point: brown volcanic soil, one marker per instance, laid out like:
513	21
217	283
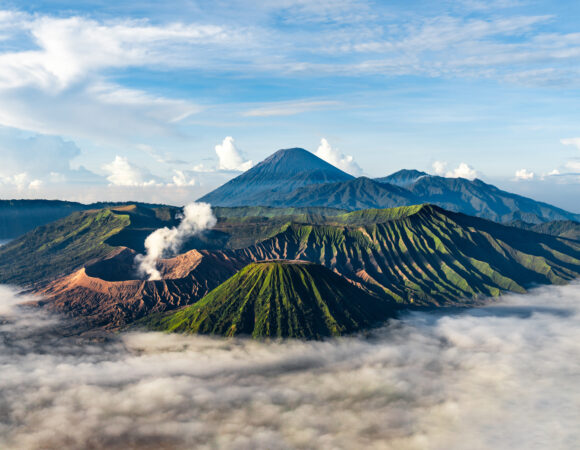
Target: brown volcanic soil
108	293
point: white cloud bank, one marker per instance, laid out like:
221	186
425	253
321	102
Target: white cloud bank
56	82
524	175
182	179
230	157
338	159
502	377
463	170
124	173
571	141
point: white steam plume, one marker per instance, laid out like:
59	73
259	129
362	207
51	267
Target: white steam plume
197	217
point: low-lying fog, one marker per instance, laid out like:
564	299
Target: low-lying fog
506	376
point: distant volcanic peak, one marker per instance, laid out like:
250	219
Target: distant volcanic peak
297	160
404	177
280	298
280	173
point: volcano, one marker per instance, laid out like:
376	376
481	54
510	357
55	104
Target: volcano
291	299
281	173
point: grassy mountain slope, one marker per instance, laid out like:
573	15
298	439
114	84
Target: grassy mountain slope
429	256
17	217
67	244
106	294
279	299
60	247
20	216
419	254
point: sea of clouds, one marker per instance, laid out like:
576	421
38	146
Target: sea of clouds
501	377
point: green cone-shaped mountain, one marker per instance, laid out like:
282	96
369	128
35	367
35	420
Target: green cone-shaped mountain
279	299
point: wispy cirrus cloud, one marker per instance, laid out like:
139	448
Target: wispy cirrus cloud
59	81
571	141
290	108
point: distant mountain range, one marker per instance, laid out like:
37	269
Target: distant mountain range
19	216
300	249
297	178
278	175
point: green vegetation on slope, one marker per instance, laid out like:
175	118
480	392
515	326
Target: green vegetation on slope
421	255
429	256
68	244
241	229
20	216
60	247
279	299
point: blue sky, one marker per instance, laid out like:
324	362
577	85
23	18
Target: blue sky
163	101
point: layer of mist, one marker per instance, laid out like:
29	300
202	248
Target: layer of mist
501	377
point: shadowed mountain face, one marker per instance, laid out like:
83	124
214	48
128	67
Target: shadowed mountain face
19	216
424	255
476	198
358	193
403	177
279	299
67	244
563	228
281	173
297	178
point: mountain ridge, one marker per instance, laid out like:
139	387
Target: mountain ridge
284	299
315	183
419	256
281	172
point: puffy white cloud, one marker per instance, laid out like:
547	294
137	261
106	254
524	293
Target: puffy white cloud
29	162
182	179
230	157
573	165
463	170
58	83
571	141
336	158
524	175
439	167
20	181
554	172
70	49
124	173
37	154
